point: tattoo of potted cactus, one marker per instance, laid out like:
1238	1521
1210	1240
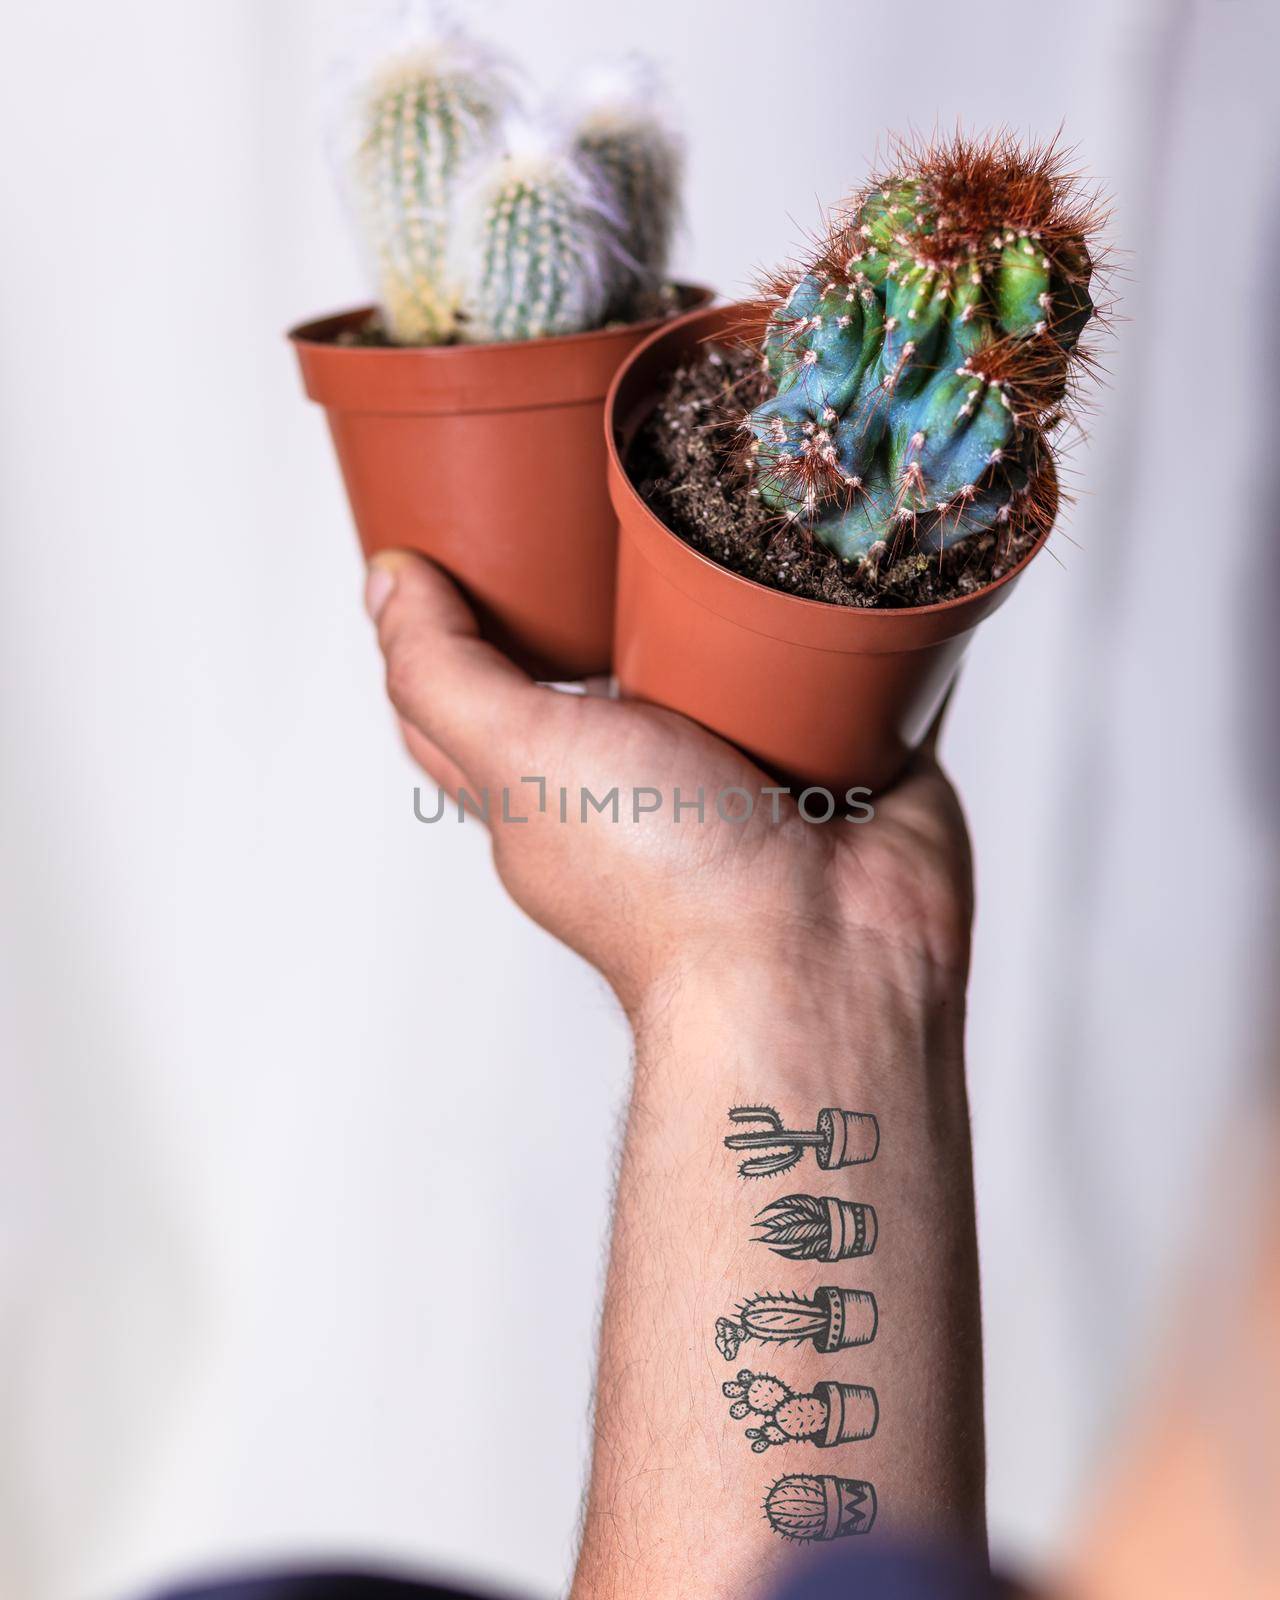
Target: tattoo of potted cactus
806	1227
517	259
804	1507
834	1319
888	409
840	1139
835	1413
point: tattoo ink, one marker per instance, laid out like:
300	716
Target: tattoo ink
835	1319
806	1227
840	1139
835	1413
803	1508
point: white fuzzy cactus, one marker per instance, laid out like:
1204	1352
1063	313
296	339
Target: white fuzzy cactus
482	225
621	131
537	244
426	114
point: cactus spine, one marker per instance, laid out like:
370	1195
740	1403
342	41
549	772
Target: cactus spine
922	358
426	117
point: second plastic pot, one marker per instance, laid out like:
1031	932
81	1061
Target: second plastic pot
824	695
489	459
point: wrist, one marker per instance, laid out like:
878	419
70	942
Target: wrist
813	1014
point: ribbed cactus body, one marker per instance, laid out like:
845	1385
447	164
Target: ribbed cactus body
621	136
806	1507
484	222
834	1319
639	167
426	118
782	1317
920	360
537	251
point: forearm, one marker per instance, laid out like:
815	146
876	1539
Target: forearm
678	1495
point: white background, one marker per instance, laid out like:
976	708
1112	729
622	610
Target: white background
307	1134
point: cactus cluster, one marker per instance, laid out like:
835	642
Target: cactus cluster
835	1413
785	1416
486	224
922	358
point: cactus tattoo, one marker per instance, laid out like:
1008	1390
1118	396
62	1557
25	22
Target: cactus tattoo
925	355
834	1319
805	1227
803	1507
835	1413
840	1139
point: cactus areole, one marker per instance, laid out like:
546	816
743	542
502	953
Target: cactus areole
922	358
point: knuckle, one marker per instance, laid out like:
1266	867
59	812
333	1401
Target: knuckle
404	676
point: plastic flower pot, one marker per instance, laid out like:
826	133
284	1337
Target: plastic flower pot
823	695
490	460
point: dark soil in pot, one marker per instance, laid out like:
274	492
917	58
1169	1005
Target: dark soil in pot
688	465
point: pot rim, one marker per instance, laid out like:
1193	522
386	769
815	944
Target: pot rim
467	379
792	608
310	332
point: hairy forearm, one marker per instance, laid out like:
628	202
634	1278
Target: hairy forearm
879	1388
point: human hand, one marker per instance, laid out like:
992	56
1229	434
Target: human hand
646	895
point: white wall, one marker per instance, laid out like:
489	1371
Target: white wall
258	1025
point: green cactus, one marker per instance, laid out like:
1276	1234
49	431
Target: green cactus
621	136
425	116
537	243
922	358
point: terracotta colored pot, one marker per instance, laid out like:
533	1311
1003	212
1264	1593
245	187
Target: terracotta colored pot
489	459
832	696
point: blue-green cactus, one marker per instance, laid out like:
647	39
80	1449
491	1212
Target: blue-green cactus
922	358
